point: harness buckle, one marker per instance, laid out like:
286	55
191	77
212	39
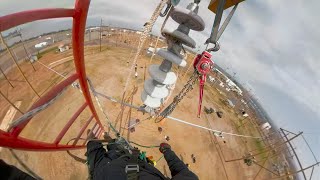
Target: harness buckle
132	167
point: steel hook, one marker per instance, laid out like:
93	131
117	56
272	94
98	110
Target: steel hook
215	48
170	4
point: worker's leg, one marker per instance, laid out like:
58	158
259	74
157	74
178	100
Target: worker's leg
178	169
11	172
96	155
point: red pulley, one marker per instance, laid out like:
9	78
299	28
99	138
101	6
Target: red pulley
202	64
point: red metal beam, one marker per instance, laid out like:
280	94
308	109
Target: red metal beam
11	139
96	132
82	130
7	140
99	134
16	19
70	122
91	131
78	30
44	99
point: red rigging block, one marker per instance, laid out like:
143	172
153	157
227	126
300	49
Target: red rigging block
203	63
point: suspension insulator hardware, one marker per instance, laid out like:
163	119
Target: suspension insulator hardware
156	89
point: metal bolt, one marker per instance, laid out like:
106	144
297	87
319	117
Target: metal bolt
205	66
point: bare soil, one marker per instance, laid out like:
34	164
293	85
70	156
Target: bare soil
109	71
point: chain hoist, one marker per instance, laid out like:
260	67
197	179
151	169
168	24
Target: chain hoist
186	88
202	65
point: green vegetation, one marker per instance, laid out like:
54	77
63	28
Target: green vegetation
40	54
260	147
118	98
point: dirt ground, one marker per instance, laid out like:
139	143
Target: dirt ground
108	71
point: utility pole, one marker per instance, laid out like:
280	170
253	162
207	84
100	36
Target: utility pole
12	104
4	75
27	54
268	150
301	170
100	33
17	65
294	152
145	71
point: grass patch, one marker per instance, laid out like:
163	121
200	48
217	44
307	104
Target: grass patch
260	148
40	54
118	98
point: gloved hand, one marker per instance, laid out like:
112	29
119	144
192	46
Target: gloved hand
163	147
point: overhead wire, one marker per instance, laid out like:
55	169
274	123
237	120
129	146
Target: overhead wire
96	98
64	77
95	93
17	65
213	130
184	122
156	146
117	133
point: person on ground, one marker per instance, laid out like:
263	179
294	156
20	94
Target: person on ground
193	158
167	138
160	129
117	163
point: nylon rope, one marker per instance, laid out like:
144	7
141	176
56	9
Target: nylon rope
35	111
213	130
64	77
146	31
156	146
101	108
185	122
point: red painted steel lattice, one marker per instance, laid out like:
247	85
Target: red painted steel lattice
11	139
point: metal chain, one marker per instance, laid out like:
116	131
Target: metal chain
176	100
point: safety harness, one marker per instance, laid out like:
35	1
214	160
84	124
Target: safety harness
132	168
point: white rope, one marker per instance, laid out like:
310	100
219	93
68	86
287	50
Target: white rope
101	107
45	106
146	31
35	111
179	120
51	69
213	130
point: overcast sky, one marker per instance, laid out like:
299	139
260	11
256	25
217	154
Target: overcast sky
272	46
